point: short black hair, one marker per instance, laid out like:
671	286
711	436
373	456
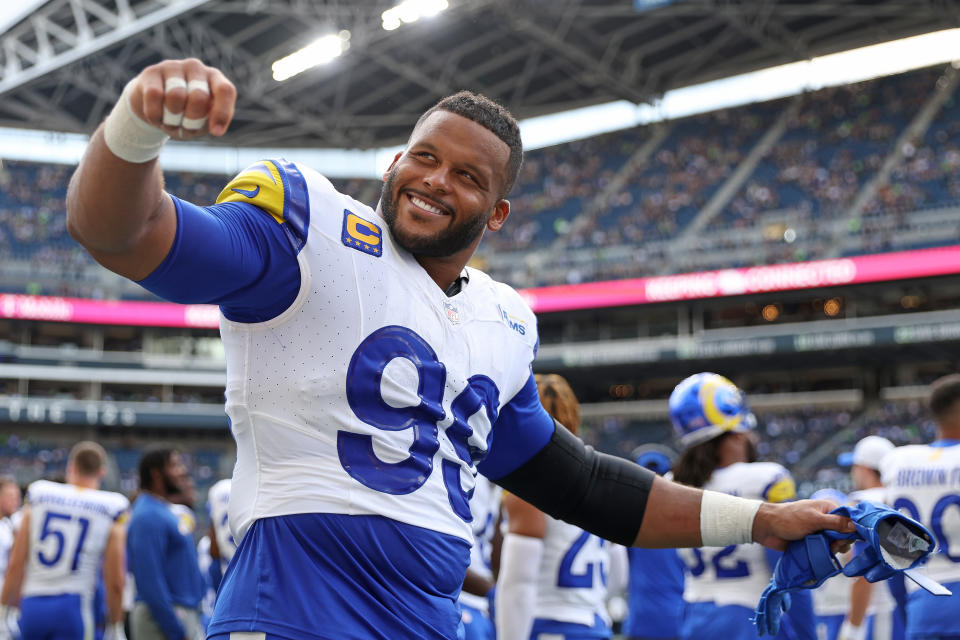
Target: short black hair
155	457
944	394
493	117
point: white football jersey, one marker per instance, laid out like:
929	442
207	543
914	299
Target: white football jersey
485	505
881	600
373	393
572	581
69	527
736	574
218	501
923	481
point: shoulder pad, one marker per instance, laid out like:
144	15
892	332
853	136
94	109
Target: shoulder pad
275	186
781	489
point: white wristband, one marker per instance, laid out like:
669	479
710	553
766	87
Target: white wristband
726	520
127	136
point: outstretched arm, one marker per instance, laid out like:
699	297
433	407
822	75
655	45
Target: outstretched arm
623	502
116	206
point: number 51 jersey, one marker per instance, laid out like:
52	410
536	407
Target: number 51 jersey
69	527
373	393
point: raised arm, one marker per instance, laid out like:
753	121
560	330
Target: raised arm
116	206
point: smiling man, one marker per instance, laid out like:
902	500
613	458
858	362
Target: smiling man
370	374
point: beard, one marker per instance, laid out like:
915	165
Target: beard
438	245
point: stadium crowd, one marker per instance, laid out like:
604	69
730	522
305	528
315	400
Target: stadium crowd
591	196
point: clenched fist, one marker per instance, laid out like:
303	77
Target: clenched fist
184	98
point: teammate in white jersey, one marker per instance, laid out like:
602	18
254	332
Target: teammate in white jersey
871	610
69	533
923	481
222	543
10	514
484	554
723	586
553	575
370	373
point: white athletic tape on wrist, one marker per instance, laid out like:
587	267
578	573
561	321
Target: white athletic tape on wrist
127	136
726	520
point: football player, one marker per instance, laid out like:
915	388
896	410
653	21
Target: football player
723	585
222	543
370	373
923	481
553	575
480	581
872	610
655	587
69	531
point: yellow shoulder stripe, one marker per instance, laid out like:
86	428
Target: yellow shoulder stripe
782	490
260	184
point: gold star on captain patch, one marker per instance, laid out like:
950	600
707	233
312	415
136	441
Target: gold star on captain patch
366	246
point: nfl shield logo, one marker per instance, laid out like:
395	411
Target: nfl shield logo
452	314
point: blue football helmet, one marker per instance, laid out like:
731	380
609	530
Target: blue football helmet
707	405
656	457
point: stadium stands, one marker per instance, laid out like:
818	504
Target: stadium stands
618	205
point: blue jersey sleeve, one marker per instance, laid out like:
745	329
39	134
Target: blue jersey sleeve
240	253
522	429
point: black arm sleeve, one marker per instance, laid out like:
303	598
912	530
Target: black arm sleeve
568	480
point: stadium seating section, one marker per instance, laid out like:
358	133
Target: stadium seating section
618	205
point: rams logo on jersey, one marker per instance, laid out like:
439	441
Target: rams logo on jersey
361	234
512	321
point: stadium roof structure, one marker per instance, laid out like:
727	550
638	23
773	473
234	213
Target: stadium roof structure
63	65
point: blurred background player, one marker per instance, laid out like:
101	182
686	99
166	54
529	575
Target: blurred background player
68	532
10	514
831	600
923	481
871	610
553	575
162	553
724	584
482	573
222	543
655	588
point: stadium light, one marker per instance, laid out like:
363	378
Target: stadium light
320	51
410	11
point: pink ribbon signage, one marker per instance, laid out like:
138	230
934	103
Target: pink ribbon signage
687	286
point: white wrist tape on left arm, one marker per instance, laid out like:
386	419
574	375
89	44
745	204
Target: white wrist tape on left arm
726	520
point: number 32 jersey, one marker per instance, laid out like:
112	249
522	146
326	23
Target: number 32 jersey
373	393
737	574
69	527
